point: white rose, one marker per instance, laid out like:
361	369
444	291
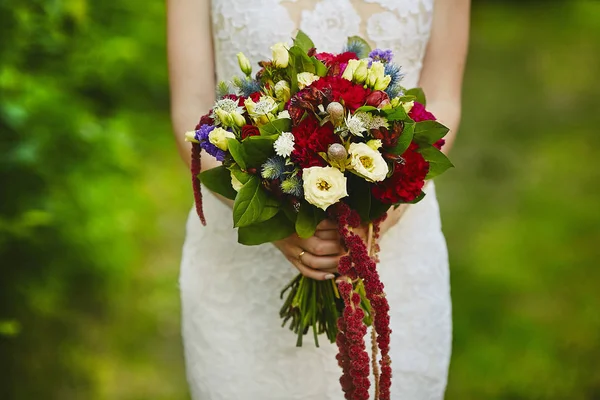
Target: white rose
306	78
219	136
367	162
323	186
281	57
235	183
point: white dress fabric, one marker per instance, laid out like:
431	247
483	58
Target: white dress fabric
235	348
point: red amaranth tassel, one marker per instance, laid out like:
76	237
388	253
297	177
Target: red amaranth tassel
195	169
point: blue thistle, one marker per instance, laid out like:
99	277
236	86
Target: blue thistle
223	89
246	86
293	186
394	87
358	46
273	168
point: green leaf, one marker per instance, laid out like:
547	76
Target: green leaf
290	212
407	98
429	132
404	140
308	219
320	68
396	114
249	203
366	109
418	93
271	208
359	196
258	148
237	152
241	176
303	41
300	60
366	47
218	180
275	127
293	75
277	228
438	162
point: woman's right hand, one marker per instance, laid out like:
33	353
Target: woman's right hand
318	256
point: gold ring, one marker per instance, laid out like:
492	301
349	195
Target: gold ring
300	256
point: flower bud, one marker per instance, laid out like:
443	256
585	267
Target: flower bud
282	91
362	71
281	57
224	117
244	64
382	82
336	113
350	68
190	136
408	106
238	119
337	152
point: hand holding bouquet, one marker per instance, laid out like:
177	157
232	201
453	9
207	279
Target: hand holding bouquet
314	136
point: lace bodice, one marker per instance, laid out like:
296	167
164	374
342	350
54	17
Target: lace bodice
400	25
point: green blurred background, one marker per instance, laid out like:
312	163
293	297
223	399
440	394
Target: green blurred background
94	198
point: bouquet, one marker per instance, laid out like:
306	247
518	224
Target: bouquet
312	136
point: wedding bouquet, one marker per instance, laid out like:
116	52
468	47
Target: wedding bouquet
314	136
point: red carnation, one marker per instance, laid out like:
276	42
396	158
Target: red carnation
353	96
310	139
249	130
406	182
205	120
336	62
418	113
255	96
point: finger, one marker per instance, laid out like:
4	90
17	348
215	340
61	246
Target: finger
321	247
328	234
327	224
328	263
311	273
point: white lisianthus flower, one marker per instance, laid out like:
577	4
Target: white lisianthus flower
284	115
306	78
408	106
219	136
367	162
281	57
356	125
284	145
323	186
235	183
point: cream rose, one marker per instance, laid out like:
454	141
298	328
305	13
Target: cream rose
323	186
367	162
219	136
281	57
306	78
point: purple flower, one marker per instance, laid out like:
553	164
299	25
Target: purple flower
202	137
381	55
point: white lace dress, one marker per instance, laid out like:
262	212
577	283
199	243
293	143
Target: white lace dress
235	348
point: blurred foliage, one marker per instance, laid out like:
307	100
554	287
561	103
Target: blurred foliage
93	201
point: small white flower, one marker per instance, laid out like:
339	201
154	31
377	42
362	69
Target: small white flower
284	145
264	106
367	162
378	122
219	136
356	125
323	186
223	109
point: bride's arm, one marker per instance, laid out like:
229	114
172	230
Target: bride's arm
191	69
442	73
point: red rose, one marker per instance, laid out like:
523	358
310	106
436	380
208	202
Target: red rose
249	130
377	98
406	182
418	113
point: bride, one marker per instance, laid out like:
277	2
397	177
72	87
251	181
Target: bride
234	345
